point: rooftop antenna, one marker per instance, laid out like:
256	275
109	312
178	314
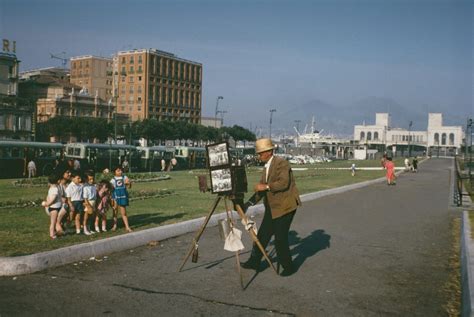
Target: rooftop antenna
63	59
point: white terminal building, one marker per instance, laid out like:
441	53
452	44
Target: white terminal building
436	140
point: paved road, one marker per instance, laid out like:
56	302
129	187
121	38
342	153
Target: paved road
379	250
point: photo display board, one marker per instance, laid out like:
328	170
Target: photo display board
219	167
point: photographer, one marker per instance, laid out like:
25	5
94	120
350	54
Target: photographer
281	198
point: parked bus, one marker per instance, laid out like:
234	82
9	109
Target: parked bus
15	155
150	157
190	157
101	156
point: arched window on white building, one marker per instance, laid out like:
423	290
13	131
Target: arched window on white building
362	136
443	139
436	138
376	136
451	139
369	136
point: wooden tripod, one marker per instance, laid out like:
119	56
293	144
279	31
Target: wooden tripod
250	230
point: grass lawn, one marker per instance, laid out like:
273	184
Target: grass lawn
25	230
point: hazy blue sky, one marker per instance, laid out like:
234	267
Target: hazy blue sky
279	54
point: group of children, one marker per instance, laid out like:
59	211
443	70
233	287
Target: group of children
75	197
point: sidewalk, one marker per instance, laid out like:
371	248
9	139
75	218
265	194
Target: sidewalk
371	251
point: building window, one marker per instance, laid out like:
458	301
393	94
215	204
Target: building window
451	139
376	136
443	139
139	59
130	79
362	136
131	60
124	61
436	138
369	136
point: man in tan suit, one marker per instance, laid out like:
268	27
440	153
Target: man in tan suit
281	198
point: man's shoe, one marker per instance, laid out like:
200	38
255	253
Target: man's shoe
287	272
250	265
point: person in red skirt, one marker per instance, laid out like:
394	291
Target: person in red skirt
390	168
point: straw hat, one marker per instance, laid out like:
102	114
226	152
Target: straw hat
263	145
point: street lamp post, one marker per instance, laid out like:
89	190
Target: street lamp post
217	110
470	123
222	112
271	115
409	138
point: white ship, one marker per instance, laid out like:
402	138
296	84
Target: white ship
314	137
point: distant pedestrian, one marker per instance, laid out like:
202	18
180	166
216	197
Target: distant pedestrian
415	164
163	165
390	167
120	183
353	169
31	169
174	163
383	160
125	165
77	165
407	164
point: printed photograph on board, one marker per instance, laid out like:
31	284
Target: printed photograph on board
218	154
221	180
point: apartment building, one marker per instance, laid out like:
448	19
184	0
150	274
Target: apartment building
93	74
16	114
158	84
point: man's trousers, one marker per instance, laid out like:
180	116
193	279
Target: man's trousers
278	227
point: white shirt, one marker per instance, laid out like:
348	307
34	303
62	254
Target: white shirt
74	192
267	168
89	192
31	165
53	193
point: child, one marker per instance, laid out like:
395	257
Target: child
63	183
104	190
120	183
90	196
53	203
353	169
74	194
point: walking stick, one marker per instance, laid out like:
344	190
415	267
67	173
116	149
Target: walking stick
254	236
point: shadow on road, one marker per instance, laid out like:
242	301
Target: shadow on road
308	246
137	221
303	248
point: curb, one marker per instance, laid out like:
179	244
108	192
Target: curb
467	265
26	264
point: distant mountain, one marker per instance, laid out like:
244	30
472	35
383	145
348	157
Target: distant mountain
340	120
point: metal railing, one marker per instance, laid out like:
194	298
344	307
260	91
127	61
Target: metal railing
458	186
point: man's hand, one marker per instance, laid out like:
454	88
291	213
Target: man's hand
246	206
260	187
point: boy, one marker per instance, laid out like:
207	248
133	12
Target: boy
75	200
90	196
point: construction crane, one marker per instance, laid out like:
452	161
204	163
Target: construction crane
62	59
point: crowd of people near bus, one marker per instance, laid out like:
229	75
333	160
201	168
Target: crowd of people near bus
76	203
